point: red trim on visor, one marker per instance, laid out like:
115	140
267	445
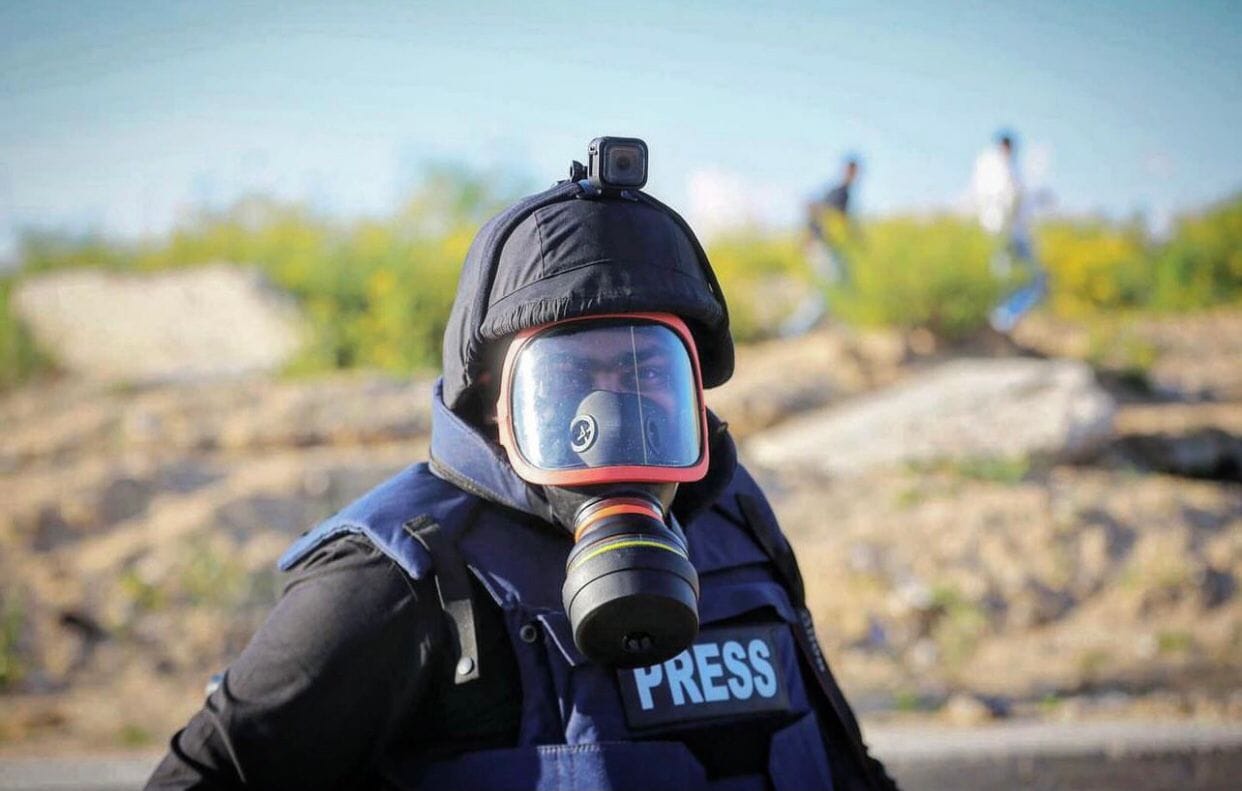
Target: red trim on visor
597	475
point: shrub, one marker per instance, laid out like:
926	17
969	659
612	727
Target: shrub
12	622
1094	266
1098	267
378	292
20	359
763	275
1202	263
905	272
928	272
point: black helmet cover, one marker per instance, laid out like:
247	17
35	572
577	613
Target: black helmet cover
571	251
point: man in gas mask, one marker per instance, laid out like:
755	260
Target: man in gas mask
582	589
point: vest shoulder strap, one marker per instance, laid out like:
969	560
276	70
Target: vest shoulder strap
453	586
765	530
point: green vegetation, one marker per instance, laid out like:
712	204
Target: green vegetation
206	573
762	275
20	359
131	735
378	291
1097	267
12	620
209	574
935	271
1093	661
959	626
1174	641
919	272
1116	346
908	700
910	497
145	596
993	469
1008	470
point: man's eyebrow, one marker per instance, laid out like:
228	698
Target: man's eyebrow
643	355
569	358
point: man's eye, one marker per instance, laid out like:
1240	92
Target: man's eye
653	374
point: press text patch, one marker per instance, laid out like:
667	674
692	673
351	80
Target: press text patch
728	671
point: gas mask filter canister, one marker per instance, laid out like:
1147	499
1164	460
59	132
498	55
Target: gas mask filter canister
606	413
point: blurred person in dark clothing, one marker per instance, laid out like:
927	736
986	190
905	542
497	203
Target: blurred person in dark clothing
827	224
836	201
838	198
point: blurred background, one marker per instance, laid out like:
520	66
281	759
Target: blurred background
985	261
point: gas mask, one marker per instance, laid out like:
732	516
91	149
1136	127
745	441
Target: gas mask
606	414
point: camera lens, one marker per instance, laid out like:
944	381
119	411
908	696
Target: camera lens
625	166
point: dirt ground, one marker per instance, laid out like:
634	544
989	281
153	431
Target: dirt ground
139	529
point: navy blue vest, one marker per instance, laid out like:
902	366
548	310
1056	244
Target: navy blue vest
587	726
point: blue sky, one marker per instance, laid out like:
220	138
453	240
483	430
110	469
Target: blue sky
122	116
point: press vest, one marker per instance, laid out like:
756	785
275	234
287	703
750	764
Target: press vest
586	726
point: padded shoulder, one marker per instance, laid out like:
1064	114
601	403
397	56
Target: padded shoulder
723	535
382	515
742	488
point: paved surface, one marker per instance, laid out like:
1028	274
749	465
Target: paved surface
923	758
88	773
1127	755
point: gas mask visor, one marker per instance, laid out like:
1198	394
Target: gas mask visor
604	399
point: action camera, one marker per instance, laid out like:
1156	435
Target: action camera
618	163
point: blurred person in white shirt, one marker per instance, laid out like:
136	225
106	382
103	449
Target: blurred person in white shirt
1001	205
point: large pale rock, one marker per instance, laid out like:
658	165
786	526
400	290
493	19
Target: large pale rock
777	379
963	409
188	324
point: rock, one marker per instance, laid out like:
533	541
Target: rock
924	654
777	379
975	408
1202	453
812	370
1036	604
964	709
123	498
190	324
1216	587
1094	558
51	529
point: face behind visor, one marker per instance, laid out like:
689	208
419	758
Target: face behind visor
601	400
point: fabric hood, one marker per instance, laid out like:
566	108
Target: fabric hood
570	252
